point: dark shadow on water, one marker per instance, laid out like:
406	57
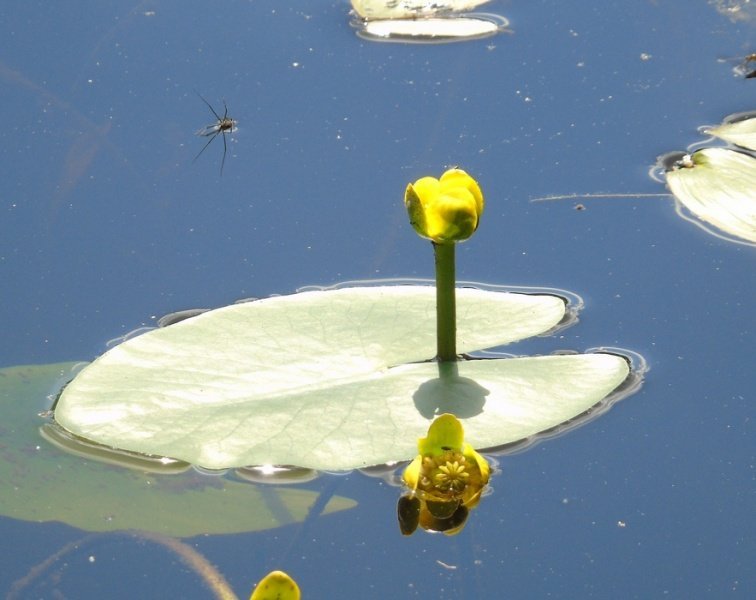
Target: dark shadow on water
450	393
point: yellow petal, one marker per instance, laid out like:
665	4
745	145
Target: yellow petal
445	433
428	189
452	217
276	585
471	455
415	210
417	197
459	178
411	473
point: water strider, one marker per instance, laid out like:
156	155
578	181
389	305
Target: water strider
222	126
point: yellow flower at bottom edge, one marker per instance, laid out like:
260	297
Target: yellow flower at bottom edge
445	210
276	585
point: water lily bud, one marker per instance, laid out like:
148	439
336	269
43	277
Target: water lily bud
445	210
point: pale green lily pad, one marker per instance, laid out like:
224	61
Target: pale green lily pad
424	21
433	30
410	9
41	483
738	129
718	185
330	380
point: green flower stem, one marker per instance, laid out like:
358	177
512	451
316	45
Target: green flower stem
446	305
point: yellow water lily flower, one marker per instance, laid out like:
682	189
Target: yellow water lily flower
276	585
445	210
447	479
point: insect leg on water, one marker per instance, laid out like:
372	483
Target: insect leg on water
745	66
222	126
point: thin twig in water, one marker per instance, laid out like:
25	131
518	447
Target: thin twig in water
37	570
193	559
591	196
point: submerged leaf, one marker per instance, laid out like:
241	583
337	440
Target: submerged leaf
718	185
330	380
41	483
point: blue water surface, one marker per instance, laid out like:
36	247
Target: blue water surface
107	223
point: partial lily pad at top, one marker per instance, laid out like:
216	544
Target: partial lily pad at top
331	380
41	483
424	21
410	9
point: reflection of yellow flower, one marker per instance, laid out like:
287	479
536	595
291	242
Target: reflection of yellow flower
445	210
446	479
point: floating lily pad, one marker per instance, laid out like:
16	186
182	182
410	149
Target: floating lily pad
41	483
331	380
424	21
431	30
718	185
738	129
